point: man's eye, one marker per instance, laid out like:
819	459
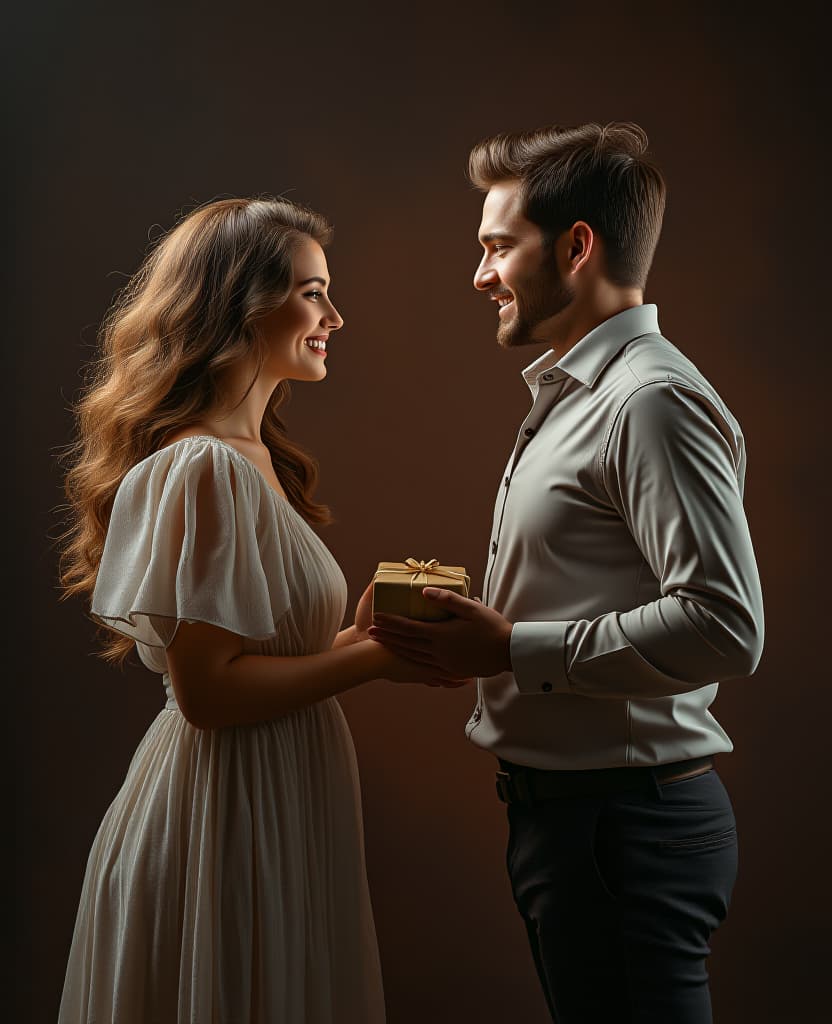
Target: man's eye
499	248
314	294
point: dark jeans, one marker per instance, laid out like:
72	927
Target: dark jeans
620	895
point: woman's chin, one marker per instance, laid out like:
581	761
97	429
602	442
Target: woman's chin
309	376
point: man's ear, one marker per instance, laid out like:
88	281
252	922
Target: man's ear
581	240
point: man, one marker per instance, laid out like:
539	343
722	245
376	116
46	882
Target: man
620	586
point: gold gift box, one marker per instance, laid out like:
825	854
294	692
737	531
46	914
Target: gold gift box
397	588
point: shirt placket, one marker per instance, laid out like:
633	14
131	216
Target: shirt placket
550	387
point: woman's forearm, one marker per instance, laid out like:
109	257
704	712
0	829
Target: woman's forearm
250	688
257	687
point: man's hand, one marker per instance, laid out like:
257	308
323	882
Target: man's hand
475	642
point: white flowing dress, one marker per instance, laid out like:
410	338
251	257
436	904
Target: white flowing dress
227	881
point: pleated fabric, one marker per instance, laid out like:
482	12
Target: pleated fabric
227	882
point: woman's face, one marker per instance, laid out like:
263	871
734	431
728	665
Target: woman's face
297	331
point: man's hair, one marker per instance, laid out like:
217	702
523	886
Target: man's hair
591	172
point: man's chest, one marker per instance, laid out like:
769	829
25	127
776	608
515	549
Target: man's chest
552	485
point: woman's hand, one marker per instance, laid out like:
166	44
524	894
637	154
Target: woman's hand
364	613
402	670
357	633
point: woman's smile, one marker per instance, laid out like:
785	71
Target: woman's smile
317	344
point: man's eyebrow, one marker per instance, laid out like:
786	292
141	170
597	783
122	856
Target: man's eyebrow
309	280
496	236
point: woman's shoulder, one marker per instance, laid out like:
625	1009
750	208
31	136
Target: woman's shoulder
172	455
190	524
185	456
182	449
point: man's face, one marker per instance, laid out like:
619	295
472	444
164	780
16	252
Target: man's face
519	274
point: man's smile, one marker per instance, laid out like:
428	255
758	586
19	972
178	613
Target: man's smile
503	300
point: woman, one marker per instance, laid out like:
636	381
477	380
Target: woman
227	880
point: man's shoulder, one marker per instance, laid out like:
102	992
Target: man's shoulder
654	383
652	359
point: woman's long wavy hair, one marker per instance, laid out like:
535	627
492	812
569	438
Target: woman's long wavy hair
188	314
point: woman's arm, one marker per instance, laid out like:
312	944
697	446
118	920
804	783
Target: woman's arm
217	685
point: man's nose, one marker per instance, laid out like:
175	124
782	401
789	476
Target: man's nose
485	277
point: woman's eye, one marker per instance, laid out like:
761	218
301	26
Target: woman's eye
315	294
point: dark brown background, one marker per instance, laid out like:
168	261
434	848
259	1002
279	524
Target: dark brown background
367	113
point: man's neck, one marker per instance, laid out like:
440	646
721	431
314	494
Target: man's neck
584	315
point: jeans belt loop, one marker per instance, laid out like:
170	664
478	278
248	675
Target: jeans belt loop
657	786
515	787
523	787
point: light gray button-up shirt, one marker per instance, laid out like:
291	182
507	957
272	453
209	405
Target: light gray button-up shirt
621	553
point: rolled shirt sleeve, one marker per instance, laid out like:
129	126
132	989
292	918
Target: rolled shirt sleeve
673	470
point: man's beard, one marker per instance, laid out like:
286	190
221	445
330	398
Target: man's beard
546	295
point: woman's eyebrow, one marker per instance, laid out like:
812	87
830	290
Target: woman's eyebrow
309	280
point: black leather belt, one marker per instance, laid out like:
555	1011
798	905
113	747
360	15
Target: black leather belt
519	784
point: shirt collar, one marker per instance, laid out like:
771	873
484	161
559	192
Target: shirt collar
588	358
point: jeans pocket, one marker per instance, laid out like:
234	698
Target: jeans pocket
702	841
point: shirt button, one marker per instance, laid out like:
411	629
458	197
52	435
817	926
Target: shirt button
493	547
505	482
529	432
546	687
548	377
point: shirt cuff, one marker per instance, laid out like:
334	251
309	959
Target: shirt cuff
538	657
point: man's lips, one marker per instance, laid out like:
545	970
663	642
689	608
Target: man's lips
504	300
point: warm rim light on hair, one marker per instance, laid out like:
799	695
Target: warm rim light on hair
187	314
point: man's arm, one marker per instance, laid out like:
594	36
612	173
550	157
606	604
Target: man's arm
670	471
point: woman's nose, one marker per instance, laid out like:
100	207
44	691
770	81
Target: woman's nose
335	320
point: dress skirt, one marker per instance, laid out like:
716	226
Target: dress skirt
226	883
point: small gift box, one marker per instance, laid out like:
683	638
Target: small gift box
397	588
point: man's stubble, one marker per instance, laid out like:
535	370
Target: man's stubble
543	297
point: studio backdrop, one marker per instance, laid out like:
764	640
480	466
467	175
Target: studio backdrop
127	117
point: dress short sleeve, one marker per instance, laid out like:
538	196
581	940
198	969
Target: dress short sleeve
193	536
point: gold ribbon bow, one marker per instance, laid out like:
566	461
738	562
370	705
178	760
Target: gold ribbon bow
416	569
